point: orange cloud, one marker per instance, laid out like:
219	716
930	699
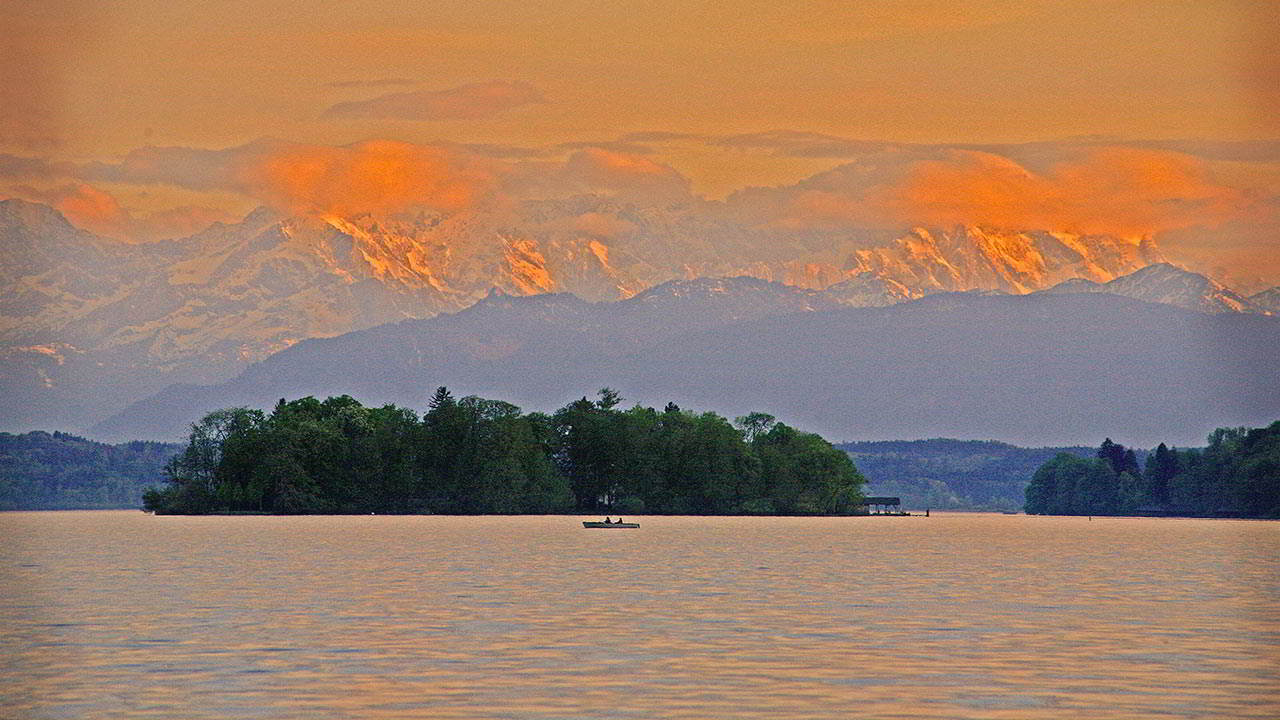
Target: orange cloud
599	170
180	221
84	206
1119	191
377	176
97	211
602	225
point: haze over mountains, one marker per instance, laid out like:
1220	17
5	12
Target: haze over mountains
91	325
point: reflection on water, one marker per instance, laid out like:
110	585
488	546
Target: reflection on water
120	614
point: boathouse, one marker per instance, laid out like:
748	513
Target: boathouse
883	505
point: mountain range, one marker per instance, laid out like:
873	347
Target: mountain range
1034	369
90	325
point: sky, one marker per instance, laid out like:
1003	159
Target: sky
148	119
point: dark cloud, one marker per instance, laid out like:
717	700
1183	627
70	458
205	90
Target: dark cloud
798	143
192	168
466	102
509	152
380	82
618	146
17	167
658	136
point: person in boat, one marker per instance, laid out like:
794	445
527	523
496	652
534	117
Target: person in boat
607	521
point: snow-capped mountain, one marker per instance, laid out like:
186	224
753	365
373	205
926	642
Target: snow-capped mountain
238	292
972	258
1169	285
87	324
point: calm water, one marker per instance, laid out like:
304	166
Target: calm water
120	614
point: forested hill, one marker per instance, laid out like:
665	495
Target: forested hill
57	471
1236	475
478	456
952	474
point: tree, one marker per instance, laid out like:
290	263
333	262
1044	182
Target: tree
193	475
1162	467
1120	459
609	399
754	424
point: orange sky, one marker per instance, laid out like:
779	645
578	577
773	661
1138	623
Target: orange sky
87	81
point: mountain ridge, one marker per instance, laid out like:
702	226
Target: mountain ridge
1171	285
967	365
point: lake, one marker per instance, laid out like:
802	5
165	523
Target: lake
125	615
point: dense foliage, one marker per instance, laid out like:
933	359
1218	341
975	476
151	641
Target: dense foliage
473	455
43	471
951	474
1237	475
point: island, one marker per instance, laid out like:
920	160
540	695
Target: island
478	456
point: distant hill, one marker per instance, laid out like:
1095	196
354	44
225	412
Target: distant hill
952	474
1268	299
1041	369
44	471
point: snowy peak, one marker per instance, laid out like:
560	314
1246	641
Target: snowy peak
1171	285
928	260
866	289
35	238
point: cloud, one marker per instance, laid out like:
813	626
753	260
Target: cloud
385	176
191	168
97	211
17	167
602	225
798	143
376	176
84	206
1110	190
658	136
805	144
616	146
631	176
367	177
1079	185
380	82
466	102
177	222
512	152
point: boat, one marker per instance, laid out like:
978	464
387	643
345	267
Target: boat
602	524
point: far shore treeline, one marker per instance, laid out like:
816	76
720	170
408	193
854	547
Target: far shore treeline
478	456
1236	475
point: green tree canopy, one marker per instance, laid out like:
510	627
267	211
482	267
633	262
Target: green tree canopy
1236	475
473	455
